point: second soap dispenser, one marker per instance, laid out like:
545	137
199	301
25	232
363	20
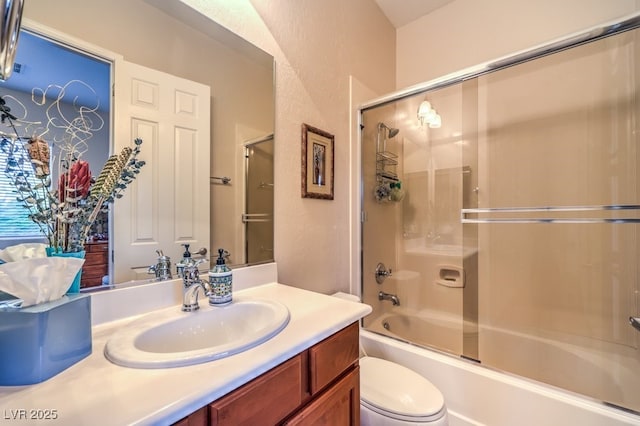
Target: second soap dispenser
220	279
186	260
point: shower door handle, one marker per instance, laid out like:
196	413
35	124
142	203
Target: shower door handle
635	322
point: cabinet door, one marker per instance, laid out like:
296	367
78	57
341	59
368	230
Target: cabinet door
197	418
337	406
264	401
331	357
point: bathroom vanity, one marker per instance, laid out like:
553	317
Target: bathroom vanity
319	385
307	372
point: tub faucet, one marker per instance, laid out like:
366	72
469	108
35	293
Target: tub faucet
387	296
192	285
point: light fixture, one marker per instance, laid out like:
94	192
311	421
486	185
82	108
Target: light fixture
436	123
427	114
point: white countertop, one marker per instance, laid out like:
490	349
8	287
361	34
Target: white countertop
95	391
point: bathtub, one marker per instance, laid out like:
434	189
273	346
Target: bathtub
477	395
442	332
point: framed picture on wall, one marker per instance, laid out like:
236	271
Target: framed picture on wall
317	163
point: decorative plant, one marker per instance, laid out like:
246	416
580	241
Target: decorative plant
65	212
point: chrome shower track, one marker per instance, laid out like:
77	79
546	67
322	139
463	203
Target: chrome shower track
464	214
626	23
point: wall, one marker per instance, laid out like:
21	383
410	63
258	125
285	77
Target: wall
468	32
317	46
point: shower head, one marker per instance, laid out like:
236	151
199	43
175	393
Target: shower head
392	132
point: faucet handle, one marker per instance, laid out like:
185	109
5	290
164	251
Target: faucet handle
190	272
382	273
200	261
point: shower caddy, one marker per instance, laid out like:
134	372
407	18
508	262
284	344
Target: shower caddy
386	174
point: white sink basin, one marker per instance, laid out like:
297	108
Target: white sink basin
172	338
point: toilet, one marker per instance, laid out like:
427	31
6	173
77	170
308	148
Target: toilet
393	395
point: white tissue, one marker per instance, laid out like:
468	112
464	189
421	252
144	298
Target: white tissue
39	280
23	251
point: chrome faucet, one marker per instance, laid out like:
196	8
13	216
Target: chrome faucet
387	296
162	269
192	284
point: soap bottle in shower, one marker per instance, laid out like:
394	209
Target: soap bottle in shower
220	279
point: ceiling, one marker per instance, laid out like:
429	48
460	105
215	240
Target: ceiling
401	12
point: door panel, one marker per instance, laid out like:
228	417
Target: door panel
168	203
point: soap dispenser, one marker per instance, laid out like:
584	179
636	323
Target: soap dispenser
185	261
220	279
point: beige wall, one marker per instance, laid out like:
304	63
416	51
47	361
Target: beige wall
468	32
317	46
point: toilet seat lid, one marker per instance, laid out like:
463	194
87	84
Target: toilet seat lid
397	390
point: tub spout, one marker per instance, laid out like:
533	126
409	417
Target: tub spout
386	296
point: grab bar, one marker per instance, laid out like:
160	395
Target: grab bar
255	217
614	207
635	322
225	180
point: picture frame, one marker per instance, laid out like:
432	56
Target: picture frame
317	163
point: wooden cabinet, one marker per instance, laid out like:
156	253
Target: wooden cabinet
338	405
266	400
199	418
319	386
96	263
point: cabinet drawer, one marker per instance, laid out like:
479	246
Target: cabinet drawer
97	247
94	271
266	400
99	258
331	357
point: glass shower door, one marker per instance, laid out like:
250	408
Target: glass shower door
558	225
517	241
258	218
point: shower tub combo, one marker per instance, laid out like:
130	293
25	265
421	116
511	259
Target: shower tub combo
500	238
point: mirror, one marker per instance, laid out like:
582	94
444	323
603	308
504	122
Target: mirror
175	39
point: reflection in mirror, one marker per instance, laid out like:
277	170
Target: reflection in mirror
258	218
181	42
67	107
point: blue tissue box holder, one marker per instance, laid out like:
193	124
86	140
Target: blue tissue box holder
40	341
